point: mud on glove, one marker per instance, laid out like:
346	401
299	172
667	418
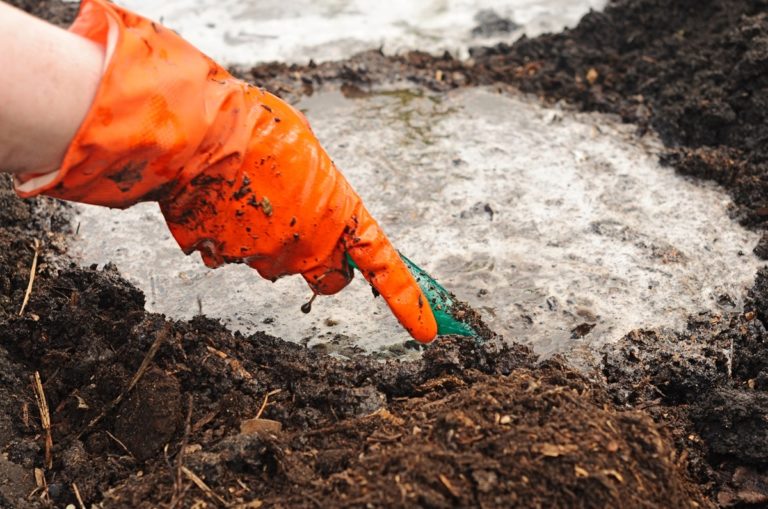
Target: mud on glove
238	173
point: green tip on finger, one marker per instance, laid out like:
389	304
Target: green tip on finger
440	301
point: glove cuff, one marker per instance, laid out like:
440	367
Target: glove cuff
90	21
135	143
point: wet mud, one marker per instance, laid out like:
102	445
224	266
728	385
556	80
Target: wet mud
147	412
693	71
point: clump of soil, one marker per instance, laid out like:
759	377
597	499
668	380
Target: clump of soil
708	383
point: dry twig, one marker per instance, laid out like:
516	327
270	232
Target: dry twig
32	273
120	443
235	365
42	486
77	496
204	420
177	482
161	337
25	414
730	360
203	487
45	419
266	402
449	486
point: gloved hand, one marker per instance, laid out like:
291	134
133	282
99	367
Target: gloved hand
238	173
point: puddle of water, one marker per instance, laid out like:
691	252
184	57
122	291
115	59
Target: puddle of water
544	220
242	32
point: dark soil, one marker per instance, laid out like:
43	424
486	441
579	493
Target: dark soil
54	11
142	407
147	412
696	72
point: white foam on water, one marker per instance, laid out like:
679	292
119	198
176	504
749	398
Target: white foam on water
543	219
246	32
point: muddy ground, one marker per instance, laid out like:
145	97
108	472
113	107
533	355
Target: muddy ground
147	412
259	420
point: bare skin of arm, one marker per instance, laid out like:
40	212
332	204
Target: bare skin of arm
48	81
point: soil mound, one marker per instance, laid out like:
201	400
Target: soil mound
145	412
695	72
708	384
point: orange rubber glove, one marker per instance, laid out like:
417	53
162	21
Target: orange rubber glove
238	173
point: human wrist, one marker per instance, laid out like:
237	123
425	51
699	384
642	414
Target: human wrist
49	80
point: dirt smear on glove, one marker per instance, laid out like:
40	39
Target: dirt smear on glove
146	412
